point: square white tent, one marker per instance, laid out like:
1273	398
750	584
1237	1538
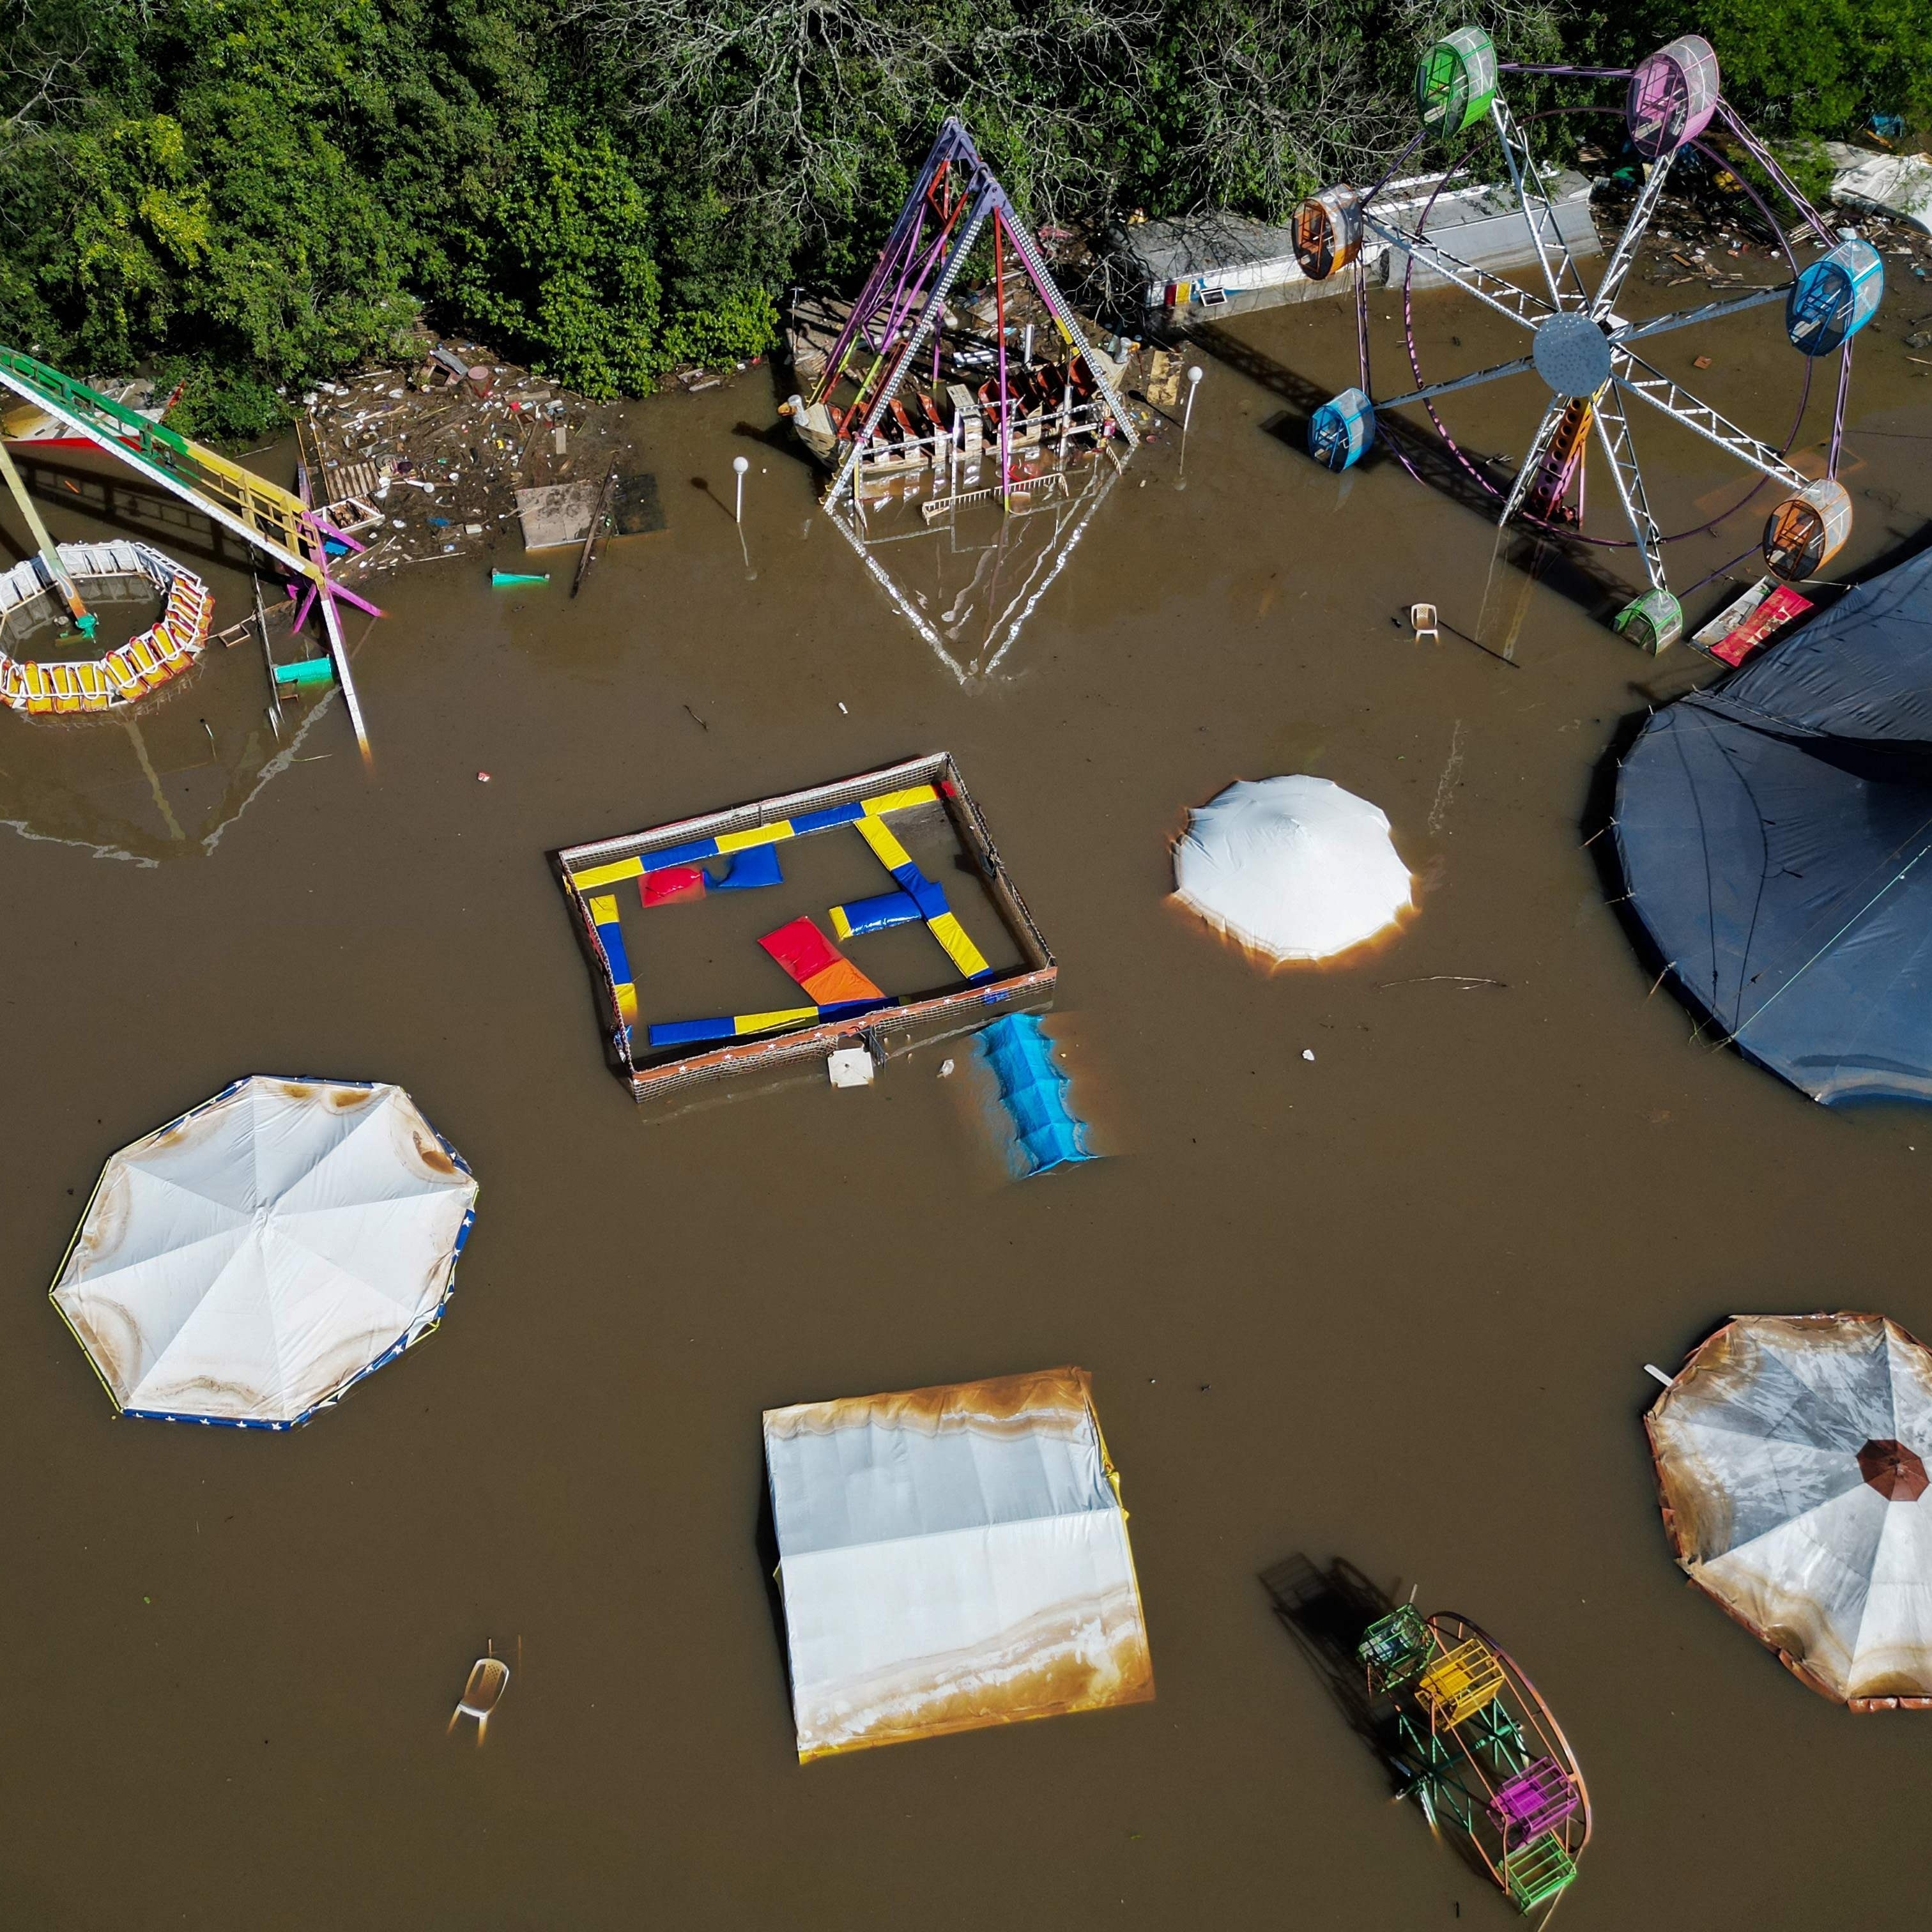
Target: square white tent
951	1557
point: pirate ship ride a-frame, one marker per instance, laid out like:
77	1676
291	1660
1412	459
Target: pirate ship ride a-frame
916	389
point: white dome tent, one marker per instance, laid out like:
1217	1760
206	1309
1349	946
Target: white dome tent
247	1263
1790	1454
1295	868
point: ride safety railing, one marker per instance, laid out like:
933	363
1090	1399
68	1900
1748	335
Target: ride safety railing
272	517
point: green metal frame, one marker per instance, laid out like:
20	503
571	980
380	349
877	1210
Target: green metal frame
1394	1648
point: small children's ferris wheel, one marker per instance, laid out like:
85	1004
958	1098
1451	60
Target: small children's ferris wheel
1583	351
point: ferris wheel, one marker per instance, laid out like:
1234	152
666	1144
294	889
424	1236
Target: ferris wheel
1583	351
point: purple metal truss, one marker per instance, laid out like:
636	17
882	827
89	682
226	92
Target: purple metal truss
920	275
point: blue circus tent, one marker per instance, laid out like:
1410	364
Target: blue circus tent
1773	834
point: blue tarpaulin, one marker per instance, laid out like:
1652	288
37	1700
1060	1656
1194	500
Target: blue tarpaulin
1773	833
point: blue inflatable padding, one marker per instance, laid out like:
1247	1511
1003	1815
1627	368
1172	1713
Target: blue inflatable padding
755	866
689	853
691	1033
884	910
824	820
1032	1091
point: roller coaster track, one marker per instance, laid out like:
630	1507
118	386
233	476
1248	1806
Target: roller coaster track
272	520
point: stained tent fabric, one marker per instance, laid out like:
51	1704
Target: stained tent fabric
1790	1454
1771	832
1294	867
952	1557
245	1264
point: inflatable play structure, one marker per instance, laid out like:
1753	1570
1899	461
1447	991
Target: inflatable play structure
920	807
1032	1093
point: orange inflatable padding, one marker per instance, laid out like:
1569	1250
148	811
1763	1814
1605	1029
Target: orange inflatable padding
817	964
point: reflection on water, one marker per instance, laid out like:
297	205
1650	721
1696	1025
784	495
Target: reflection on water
966	576
157	781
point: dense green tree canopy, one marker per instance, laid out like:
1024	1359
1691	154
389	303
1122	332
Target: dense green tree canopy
254	194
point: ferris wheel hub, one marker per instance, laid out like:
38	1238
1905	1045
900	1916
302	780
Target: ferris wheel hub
1572	354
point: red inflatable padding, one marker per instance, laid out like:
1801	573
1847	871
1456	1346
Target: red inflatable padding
674	883
817	964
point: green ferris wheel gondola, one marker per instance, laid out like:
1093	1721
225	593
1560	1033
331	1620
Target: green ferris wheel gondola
1455	81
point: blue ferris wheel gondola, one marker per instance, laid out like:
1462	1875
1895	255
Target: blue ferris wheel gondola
1342	429
1834	298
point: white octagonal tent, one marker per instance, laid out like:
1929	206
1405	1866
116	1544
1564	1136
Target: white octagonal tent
248	1262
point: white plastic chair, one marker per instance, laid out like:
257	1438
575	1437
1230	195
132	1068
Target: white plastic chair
489	1676
1422	616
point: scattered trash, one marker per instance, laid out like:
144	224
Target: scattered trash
464	434
851	1066
945	1069
483	1691
1751	620
206	1281
499	577
1807	1538
1032	1091
304	674
482	777
1028	1609
1700	361
1897	185
1291	867
1308	1053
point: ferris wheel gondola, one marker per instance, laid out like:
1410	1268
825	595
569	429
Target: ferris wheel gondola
1582	351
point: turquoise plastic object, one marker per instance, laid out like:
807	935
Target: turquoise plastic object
1032	1091
499	577
305	672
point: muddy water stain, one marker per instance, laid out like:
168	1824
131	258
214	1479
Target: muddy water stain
1390	1303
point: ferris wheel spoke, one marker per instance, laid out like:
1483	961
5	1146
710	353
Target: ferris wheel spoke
1613	435
1786	186
1521	366
1505	297
1637	378
1623	256
1683	318
1539	213
1539	448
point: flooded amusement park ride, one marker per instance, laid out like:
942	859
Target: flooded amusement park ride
295	537
1582	350
1472	1741
960	402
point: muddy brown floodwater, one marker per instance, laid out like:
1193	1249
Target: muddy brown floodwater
1391	1304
